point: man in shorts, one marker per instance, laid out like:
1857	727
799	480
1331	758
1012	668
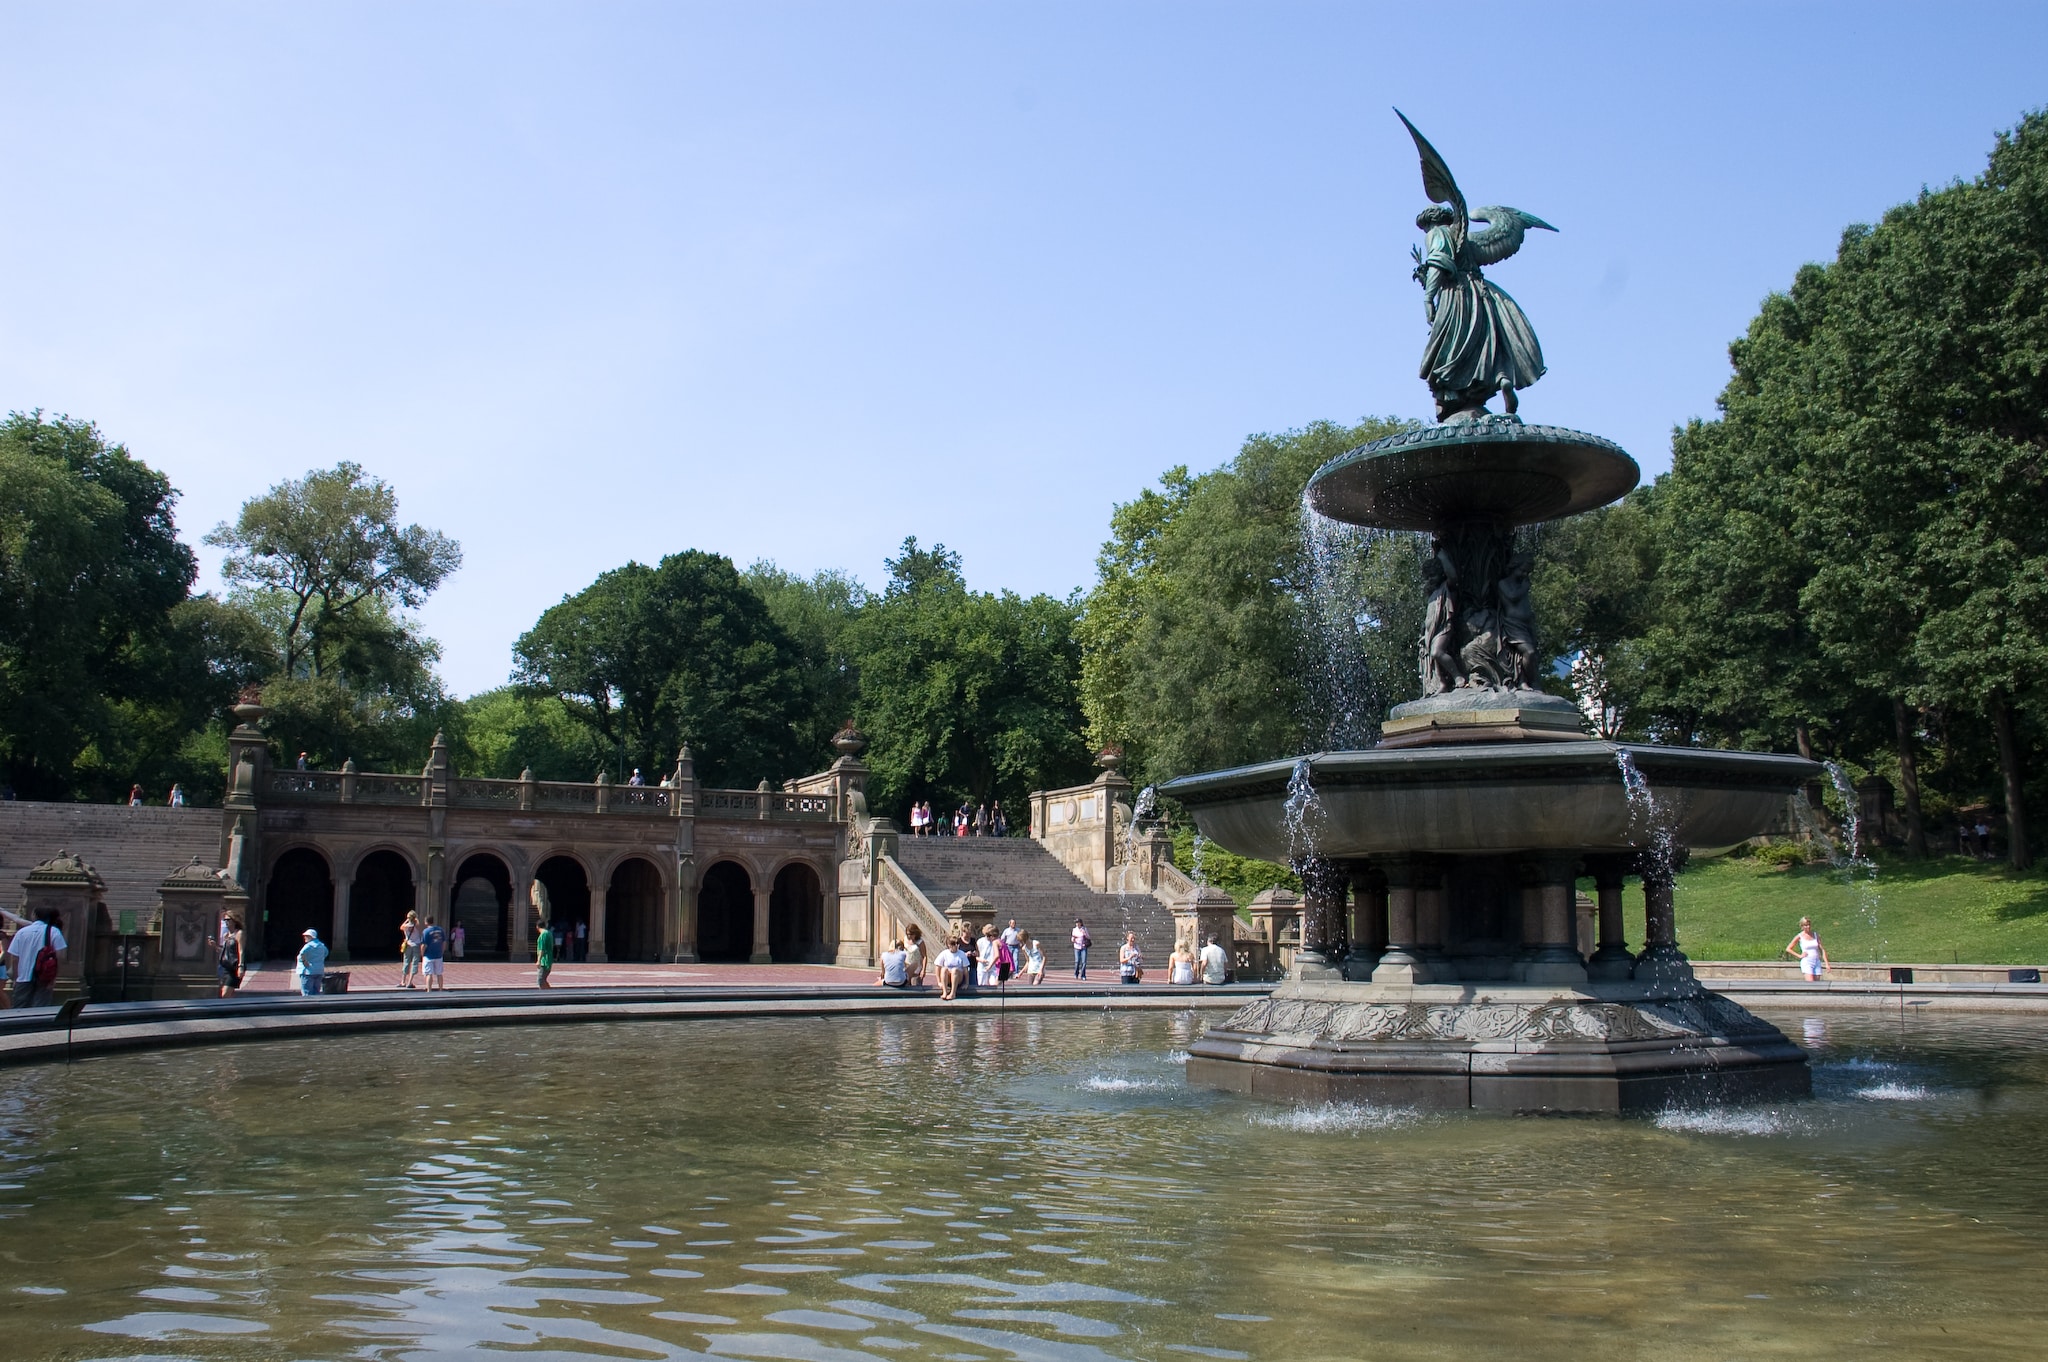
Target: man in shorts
434	956
543	954
952	963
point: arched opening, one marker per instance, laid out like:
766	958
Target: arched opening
568	904
632	912
725	914
300	895
378	899
482	907
796	917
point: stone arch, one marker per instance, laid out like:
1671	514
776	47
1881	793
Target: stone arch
480	900
633	911
568	884
380	894
796	915
725	913
298	894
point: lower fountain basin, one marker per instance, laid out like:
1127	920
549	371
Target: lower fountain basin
1493	798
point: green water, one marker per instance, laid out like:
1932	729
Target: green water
1036	1188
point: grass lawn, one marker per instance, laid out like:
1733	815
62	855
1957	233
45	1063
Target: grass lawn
1926	912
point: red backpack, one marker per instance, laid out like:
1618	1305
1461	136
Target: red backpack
44	972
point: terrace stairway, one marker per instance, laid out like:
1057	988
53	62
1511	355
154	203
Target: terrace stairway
1026	882
132	849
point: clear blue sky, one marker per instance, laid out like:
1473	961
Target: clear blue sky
599	282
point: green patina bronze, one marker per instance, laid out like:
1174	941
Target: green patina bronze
1480	342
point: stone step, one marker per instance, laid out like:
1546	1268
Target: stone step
132	849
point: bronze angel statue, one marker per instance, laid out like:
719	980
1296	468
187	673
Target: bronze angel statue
1480	343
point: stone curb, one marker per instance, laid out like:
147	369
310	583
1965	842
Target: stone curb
29	1037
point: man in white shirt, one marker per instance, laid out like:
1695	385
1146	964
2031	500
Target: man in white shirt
1215	963
28	943
1011	936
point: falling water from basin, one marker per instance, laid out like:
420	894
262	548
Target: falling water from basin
1858	870
1645	819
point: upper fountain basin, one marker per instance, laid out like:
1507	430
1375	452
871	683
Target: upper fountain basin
1492	469
1491	798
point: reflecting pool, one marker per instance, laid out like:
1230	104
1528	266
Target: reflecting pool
1041	1188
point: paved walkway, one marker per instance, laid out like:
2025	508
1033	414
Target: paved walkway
276	977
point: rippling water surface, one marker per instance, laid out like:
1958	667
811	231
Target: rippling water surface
1034	1188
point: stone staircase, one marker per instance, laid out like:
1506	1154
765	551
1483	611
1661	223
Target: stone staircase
1026	882
132	849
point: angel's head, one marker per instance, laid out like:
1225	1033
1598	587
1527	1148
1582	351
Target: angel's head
1436	215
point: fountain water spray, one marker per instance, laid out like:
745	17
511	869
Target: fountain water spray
1195	861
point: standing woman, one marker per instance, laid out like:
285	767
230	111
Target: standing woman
1130	961
409	949
234	949
1807	949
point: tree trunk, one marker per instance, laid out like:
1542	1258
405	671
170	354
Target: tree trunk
1815	796
2009	763
1909	782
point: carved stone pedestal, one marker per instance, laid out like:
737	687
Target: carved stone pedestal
1506	1047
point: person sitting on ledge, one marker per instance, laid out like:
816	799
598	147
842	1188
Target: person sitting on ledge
894	975
952	964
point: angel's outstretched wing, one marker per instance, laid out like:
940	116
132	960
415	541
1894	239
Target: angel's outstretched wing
1436	176
1503	235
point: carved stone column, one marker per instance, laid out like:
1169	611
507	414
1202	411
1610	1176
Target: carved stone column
1430	910
685	910
761	955
1557	961
1401	964
337	949
1661	964
1612	960
1368	919
594	951
1530	920
1324	886
519	921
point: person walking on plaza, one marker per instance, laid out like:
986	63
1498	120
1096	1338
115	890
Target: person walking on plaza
1808	951
433	952
234	949
1130	961
1011	936
457	939
1215	963
543	955
409	949
311	966
33	959
952	963
1082	941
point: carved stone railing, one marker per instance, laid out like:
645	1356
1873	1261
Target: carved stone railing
651	801
477	793
767	804
381	789
565	796
896	896
304	787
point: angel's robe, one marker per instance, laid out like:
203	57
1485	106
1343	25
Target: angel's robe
1479	338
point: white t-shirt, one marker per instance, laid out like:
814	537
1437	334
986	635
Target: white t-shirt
892	968
952	958
1011	936
27	944
1215	964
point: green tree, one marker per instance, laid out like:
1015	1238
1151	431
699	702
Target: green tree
506	732
326	553
651	657
818	613
963	694
1197	647
101	675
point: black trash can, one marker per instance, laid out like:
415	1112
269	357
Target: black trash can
1902	974
334	981
2030	975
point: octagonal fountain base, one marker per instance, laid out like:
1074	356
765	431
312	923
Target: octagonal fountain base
1500	1047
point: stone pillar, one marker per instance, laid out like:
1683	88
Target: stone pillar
1206	912
1662	964
594	951
1611	959
761	955
1530	919
1401	964
966	915
1429	916
337	949
74	890
519	921
1324	886
1368	920
1557	961
684	911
